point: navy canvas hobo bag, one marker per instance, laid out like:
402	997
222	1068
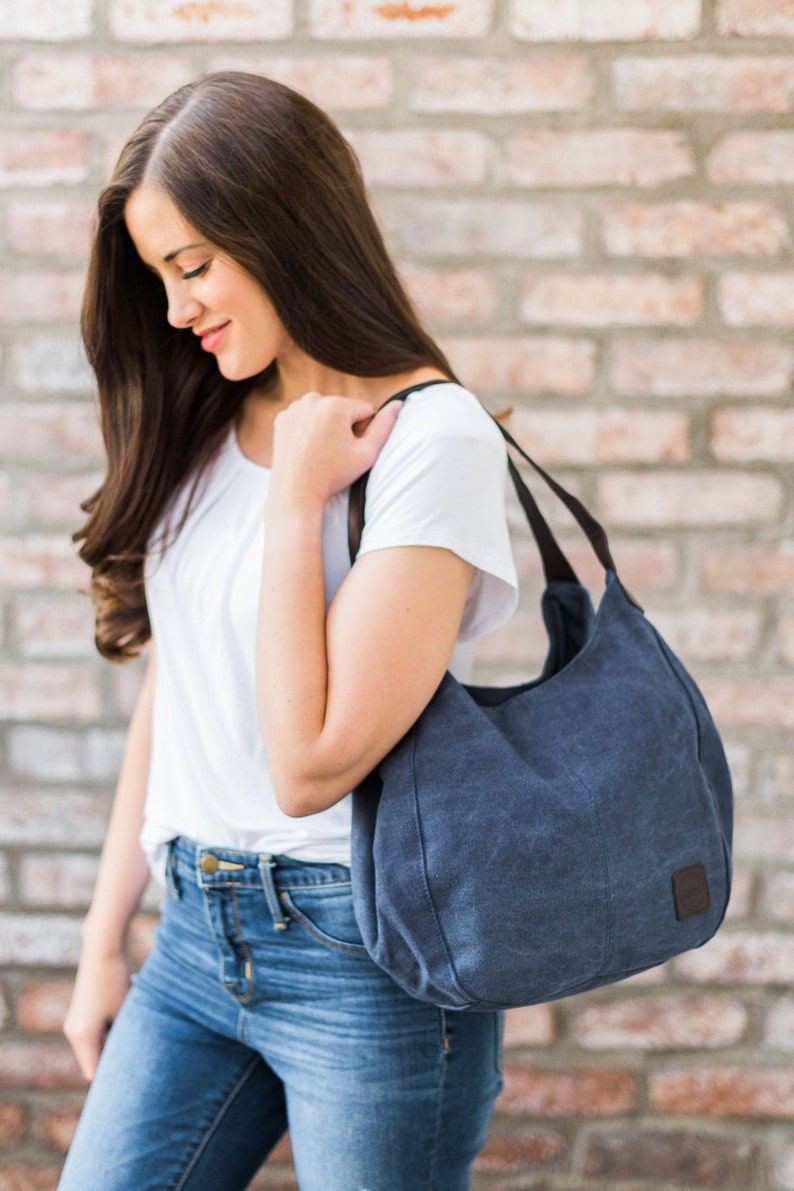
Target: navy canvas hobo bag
526	843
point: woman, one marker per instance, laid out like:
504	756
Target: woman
245	324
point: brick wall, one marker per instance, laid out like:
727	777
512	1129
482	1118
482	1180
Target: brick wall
591	204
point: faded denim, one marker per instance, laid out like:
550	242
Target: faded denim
258	1009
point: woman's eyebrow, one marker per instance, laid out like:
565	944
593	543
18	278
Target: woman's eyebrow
184	248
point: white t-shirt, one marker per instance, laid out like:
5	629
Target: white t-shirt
439	481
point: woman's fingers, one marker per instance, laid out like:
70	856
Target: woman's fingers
101	985
323	443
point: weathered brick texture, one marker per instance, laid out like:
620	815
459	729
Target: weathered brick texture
589	205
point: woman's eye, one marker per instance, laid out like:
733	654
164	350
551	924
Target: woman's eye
196	272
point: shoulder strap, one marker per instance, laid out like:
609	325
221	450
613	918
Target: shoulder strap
556	566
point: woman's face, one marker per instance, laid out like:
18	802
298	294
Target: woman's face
208	293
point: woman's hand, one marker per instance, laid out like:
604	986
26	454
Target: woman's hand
321	444
102	983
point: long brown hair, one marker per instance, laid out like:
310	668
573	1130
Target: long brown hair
267	177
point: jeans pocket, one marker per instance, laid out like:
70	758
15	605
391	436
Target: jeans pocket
326	913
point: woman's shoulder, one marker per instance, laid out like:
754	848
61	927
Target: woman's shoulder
446	410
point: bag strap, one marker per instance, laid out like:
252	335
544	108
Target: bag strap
556	566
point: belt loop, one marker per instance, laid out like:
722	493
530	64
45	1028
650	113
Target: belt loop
172	881
267	865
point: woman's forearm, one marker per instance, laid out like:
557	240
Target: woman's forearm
292	666
123	872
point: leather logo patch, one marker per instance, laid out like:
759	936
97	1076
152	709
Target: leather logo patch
690	891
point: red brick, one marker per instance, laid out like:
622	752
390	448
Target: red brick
786	635
41	1005
709	634
13	1124
537	20
779	1028
592	436
273	1179
647	366
115	140
753	158
757	299
518	647
31	690
510	1152
765	704
48	501
63	881
126	684
40	560
449	296
421	157
38	227
541	364
740	903
740	759
46	20
50	626
764	835
704	83
39	939
753	433
748	569
37	157
497	86
36	431
740	957
39	753
598	157
6	506
778	903
694	499
585	1091
38	1065
140	937
602	300
345	82
200	20
679	1159
57	1125
685	229
660	1023
531	1026
724	1092
82	82
282	1151
50	364
755	18
399	19
14	1176
520	230
643	564
61	818
39	297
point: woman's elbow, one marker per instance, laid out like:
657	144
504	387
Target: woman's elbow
299	795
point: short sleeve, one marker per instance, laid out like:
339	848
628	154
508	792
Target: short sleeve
440	480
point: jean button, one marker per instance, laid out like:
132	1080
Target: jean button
209	863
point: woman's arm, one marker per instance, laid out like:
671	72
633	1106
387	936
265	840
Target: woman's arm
336	693
103	976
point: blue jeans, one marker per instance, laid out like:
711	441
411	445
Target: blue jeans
258	1010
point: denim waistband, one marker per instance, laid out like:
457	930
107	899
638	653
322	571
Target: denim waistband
213	866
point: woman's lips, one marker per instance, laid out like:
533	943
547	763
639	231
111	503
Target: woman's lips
210	339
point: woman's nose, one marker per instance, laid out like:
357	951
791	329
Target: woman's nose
182	311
